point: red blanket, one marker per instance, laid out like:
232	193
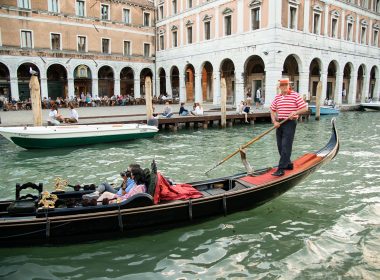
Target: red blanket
166	192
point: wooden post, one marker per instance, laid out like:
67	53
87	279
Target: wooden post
148	98
223	102
35	95
318	101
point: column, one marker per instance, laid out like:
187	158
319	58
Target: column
342	24
95	87
338	89
116	87
182	88
324	86
216	12
136	87
198	87
181	33
240	16
272	75
168	86
304	84
167	34
239	86
326	24
275	12
70	87
157	85
14	88
153	87
306	16
352	93
197	27
376	92
357	39
365	91
43	87
216	86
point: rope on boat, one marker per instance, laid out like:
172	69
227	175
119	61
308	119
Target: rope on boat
120	218
31	232
225	205
190	210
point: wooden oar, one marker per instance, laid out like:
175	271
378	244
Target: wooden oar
245	146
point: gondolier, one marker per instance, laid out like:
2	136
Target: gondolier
286	105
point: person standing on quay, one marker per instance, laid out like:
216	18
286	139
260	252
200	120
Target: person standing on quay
286	105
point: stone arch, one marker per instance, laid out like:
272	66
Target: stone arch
106	81
189	82
332	70
82	80
162	77
227	71
174	81
314	77
207	72
146	72
362	71
291	69
347	81
57	81
23	77
254	78
127	81
5	85
373	82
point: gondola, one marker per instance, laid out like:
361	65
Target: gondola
23	223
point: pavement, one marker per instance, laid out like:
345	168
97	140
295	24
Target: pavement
88	115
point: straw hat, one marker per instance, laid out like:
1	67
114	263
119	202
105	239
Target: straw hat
284	82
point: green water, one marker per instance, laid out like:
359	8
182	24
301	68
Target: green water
328	227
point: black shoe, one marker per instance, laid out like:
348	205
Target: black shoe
278	173
289	167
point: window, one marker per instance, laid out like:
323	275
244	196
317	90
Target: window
364	3
317	23
377	6
126	16
375	38
24	4
106	45
349	31
146	19
80	5
26	39
161	12
174	6
127	48
292	17
55	41
227	25
334	27
189	3
190	35
207	30
53	6
175	39
105	12
82	44
162	42
363	35
255	18
147	50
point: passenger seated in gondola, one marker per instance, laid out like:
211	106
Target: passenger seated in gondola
138	176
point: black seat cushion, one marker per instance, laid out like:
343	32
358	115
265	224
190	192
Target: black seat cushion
22	207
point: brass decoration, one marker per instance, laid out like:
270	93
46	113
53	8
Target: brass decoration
48	200
60	184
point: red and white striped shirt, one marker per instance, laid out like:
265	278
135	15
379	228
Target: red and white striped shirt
286	104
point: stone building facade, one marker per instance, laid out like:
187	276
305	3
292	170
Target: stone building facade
100	47
254	43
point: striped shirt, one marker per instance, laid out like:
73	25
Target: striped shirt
286	104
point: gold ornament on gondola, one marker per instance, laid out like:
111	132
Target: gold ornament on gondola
60	184
48	200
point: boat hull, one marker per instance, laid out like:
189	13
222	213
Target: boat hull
373	106
57	137
221	196
324	110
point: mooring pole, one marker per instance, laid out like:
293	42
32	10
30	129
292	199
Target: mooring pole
223	102
35	95
318	101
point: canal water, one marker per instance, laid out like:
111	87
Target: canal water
327	227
